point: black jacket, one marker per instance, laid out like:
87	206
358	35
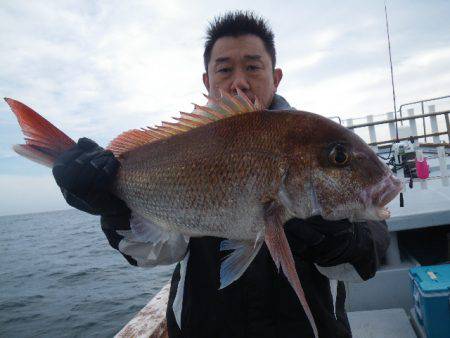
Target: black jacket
262	303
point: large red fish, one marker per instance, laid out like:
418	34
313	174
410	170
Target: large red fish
235	171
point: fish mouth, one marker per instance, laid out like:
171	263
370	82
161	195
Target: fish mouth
383	193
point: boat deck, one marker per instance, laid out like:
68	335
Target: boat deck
381	324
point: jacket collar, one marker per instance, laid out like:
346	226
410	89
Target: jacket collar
279	103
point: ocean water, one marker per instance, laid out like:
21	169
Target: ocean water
60	278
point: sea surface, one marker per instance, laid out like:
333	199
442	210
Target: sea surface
60	278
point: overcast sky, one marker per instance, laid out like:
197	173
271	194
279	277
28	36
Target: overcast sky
96	69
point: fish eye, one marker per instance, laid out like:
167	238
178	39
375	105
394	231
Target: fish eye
339	155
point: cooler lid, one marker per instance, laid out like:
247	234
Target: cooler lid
433	278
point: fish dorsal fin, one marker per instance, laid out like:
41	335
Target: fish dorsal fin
216	109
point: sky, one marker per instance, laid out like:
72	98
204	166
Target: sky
97	68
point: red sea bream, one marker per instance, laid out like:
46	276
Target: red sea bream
236	171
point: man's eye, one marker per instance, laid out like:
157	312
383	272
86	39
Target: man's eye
224	70
253	68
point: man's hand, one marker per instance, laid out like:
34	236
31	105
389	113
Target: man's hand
320	241
84	174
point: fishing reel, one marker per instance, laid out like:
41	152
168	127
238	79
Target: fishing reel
402	157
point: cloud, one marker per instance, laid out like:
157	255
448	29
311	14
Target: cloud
326	37
297	64
437	58
93	68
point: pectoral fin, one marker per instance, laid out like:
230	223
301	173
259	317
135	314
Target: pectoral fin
238	261
150	245
281	253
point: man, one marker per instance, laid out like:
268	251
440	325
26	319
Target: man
239	54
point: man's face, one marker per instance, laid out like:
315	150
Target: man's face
242	62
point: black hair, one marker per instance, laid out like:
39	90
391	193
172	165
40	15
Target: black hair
235	24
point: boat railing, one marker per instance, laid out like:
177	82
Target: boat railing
382	131
391	121
433	124
150	321
422	107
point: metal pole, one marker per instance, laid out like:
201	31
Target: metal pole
448	126
423	120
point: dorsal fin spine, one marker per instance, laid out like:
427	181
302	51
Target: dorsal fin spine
244	97
226	109
170	129
159	132
235	101
202	118
176	126
222	108
164	130
210	111
196	118
187	122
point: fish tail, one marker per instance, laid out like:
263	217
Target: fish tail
43	141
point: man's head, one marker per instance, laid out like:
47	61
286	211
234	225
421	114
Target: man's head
240	53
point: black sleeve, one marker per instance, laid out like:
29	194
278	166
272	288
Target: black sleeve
110	225
172	326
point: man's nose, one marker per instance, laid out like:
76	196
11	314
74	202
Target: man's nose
241	82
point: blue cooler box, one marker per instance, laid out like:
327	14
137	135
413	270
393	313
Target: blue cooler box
431	292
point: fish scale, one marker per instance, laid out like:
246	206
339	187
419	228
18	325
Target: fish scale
215	188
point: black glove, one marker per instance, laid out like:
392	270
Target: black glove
324	242
85	174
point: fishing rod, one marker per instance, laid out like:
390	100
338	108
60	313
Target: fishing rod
392	70
395	166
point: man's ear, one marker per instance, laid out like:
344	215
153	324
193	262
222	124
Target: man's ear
206	81
277	76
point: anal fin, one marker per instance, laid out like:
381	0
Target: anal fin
238	261
280	251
